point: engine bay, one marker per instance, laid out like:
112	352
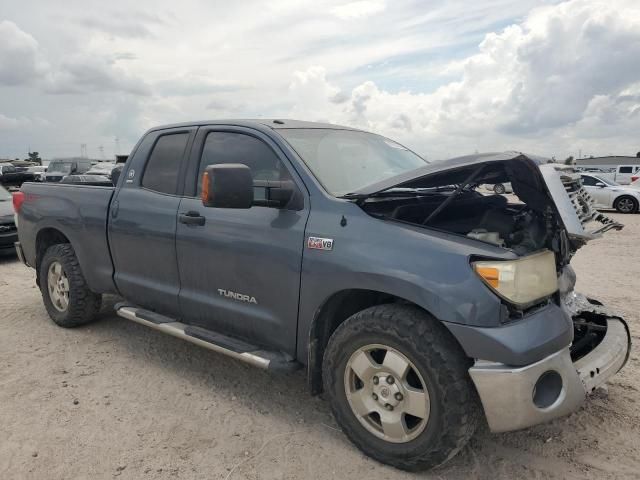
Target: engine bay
458	202
490	218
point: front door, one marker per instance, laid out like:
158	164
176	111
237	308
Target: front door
142	227
240	270
598	190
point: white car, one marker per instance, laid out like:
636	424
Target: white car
608	194
102	168
38	171
500	188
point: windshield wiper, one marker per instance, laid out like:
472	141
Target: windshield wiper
398	192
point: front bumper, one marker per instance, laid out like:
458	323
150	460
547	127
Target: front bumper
7	239
509	396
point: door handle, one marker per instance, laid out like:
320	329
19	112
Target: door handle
191	218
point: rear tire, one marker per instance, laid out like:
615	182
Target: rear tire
67	298
499	189
626	204
437	369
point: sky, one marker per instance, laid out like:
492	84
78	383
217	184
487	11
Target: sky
444	77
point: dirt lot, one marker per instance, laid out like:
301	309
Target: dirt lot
115	399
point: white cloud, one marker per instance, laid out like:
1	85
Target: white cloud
358	9
88	73
19	60
438	75
9	123
565	76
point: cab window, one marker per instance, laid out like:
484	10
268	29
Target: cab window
230	147
161	172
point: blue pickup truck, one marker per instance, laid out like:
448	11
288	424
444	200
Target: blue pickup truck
419	305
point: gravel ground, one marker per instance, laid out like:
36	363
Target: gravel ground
115	399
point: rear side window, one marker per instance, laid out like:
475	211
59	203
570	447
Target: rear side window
589	181
161	174
626	169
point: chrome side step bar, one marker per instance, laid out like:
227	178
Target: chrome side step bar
211	340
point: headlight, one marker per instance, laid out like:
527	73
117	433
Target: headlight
521	281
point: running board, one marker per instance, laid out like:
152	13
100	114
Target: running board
217	342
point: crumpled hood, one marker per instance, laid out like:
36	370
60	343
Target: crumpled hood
456	170
538	183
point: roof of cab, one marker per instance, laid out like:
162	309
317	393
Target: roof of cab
274	123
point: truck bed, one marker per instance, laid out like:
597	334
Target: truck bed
80	213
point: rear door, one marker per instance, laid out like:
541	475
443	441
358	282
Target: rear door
142	227
240	269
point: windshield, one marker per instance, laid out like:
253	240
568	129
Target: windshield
4	195
60	167
344	161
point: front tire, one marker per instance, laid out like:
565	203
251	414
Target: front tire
499	189
423	407
626	204
67	298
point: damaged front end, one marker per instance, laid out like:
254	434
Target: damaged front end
550	211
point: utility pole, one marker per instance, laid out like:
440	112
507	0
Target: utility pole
117	141
83	150
101	150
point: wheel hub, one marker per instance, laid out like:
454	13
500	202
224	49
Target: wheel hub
386	393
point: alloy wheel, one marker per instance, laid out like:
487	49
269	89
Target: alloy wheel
387	393
58	285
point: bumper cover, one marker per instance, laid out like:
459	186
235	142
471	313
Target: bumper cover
507	392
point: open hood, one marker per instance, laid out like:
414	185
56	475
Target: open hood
456	170
537	183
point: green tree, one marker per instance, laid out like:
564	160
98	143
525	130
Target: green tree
35	157
568	160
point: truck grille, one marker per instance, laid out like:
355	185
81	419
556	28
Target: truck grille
574	204
583	203
8	228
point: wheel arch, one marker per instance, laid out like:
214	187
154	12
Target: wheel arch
46	238
332	313
627	195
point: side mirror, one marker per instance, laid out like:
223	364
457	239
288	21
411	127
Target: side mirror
600	184
227	185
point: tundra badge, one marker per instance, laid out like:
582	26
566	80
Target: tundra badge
237	296
318	243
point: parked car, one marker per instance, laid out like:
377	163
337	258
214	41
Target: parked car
38	172
8	231
86	179
58	169
101	168
415	302
501	188
621	175
10	176
608	194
